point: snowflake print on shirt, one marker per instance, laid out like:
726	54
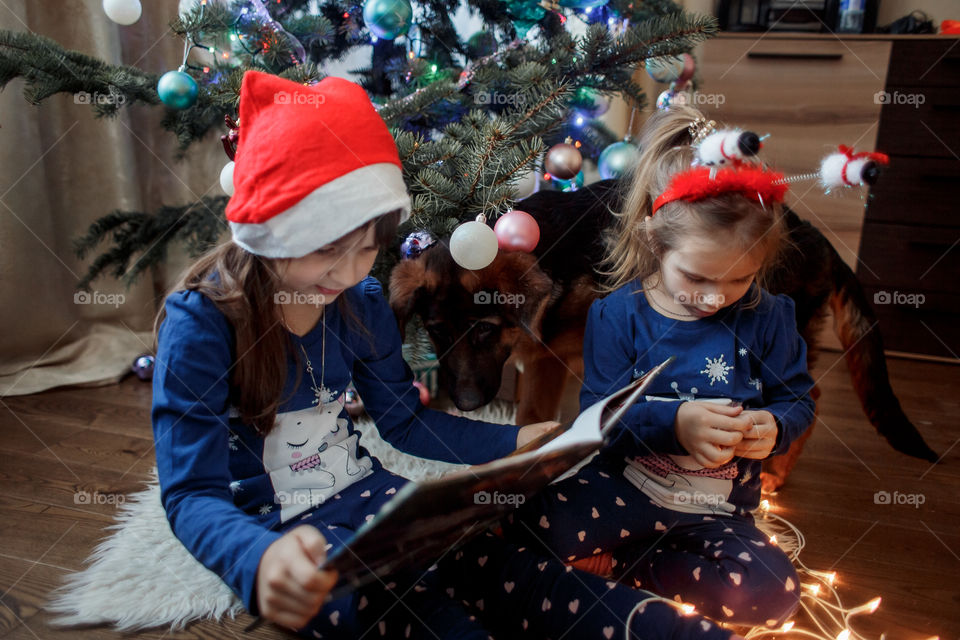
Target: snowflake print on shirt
755	383
742	351
717	369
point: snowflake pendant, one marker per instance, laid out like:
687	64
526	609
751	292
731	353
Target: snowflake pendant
322	395
717	369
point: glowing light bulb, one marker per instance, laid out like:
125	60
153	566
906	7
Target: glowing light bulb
844	635
687	609
831	577
764	505
873	604
773	539
787	626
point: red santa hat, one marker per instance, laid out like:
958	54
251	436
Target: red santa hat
313	163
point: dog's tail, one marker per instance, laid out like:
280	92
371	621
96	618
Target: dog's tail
856	326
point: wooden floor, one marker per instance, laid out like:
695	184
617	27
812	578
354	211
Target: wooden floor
58	443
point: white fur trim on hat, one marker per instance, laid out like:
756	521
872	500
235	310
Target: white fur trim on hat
327	213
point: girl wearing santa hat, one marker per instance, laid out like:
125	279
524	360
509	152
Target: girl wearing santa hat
262	471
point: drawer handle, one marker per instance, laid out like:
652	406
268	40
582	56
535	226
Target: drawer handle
932	243
776	55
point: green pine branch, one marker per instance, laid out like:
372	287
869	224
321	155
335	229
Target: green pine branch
140	239
49	69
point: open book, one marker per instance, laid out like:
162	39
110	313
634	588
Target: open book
427	519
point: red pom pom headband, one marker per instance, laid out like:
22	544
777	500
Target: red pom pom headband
699	183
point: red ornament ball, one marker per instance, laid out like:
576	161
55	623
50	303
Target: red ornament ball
517	231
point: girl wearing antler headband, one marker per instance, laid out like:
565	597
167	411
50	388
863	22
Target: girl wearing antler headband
667	504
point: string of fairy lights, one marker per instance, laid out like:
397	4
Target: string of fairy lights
822	614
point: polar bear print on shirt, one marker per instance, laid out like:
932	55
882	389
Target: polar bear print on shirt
310	456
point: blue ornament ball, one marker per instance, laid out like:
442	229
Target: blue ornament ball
415	244
671	97
665	68
570	185
617	159
177	89
143	366
388	19
582	4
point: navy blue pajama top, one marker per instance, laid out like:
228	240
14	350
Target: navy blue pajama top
228	492
754	356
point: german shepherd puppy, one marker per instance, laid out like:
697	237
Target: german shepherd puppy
533	308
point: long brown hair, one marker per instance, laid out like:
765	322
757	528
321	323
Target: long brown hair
244	291
635	249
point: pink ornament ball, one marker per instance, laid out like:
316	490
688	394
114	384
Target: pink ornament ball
424	392
517	231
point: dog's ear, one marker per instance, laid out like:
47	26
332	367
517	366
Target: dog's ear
519	274
406	287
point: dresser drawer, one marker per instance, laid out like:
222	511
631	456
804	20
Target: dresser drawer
929	324
919	191
809	95
914	258
796	81
921	121
926	63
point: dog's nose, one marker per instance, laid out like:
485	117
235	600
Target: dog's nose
468	399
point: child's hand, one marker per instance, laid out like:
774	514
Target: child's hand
709	432
290	590
760	439
534	431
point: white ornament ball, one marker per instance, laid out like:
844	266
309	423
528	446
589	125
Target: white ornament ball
226	178
124	12
473	245
527	185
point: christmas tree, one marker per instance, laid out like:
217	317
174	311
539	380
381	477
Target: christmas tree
472	117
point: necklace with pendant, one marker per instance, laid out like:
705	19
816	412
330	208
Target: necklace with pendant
321	394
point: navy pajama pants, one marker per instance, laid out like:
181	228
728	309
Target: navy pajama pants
488	588
723	565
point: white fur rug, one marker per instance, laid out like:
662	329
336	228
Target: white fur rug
141	576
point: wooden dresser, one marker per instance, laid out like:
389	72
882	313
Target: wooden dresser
813	92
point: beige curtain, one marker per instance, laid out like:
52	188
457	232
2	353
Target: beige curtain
61	169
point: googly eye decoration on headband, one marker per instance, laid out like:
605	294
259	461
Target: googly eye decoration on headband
727	146
847	168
